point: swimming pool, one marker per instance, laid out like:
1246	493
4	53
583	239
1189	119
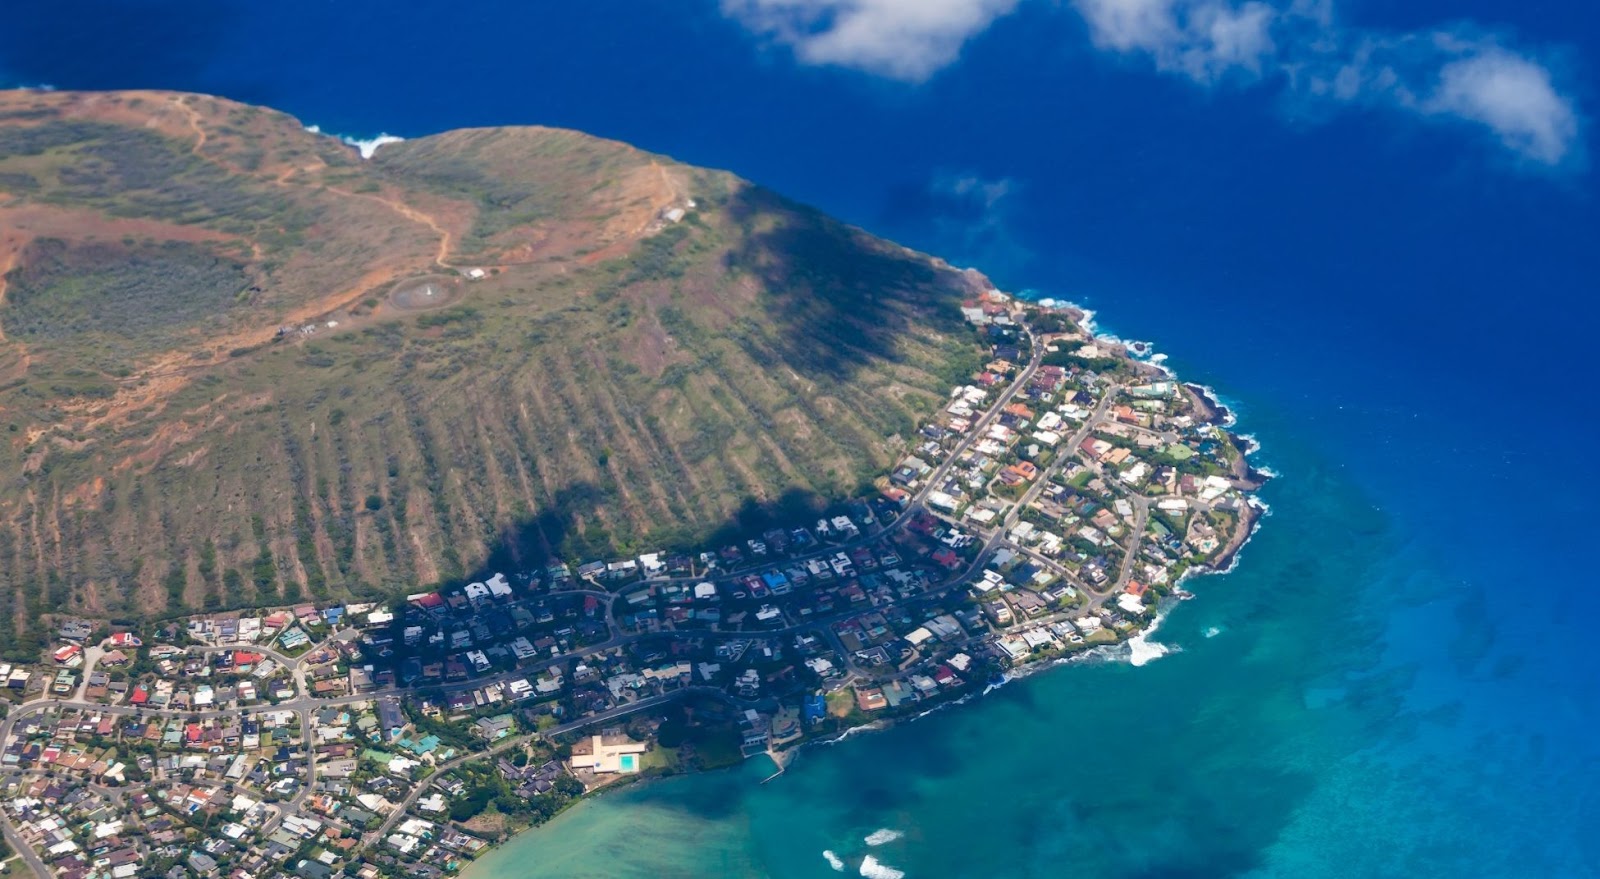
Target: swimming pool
629	762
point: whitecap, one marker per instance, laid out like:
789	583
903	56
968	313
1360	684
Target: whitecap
833	861
1212	631
882	835
1142	650
365	146
370	145
856	730
942	706
872	868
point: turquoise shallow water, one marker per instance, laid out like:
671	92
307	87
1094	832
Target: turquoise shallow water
1403	682
1289	733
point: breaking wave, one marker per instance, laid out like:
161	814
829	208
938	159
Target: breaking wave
1142	650
872	868
833	861
882	835
365	146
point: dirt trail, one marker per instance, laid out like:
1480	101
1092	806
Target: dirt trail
283	180
167	373
441	256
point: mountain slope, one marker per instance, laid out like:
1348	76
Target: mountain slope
239	364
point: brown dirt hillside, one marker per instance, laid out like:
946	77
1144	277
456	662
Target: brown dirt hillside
239	364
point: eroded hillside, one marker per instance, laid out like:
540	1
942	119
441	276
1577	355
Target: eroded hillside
240	365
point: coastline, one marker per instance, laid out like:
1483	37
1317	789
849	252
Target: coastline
1134	647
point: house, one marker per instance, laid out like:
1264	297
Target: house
947	558
998	611
605	754
871	699
495	728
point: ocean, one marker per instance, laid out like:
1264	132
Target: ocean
1397	679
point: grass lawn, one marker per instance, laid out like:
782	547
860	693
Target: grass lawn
840	703
719	749
663	759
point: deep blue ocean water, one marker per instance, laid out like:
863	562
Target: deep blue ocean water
1401	679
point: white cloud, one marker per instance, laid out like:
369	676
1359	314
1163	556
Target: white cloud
1449	75
1443	75
902	39
1514	97
1202	40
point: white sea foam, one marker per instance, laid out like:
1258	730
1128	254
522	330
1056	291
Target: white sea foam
365	146
857	730
1142	650
1212	631
942	706
833	861
872	868
883	835
370	145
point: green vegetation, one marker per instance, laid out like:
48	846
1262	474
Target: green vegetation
485	789
703	379
145	293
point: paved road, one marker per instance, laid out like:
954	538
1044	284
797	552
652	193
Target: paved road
13	839
515	741
933	479
303	704
1069	453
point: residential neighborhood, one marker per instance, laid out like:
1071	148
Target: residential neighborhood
1047	509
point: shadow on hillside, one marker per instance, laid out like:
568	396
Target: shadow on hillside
568	529
836	298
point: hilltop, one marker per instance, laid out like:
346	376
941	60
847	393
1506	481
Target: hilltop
240	365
